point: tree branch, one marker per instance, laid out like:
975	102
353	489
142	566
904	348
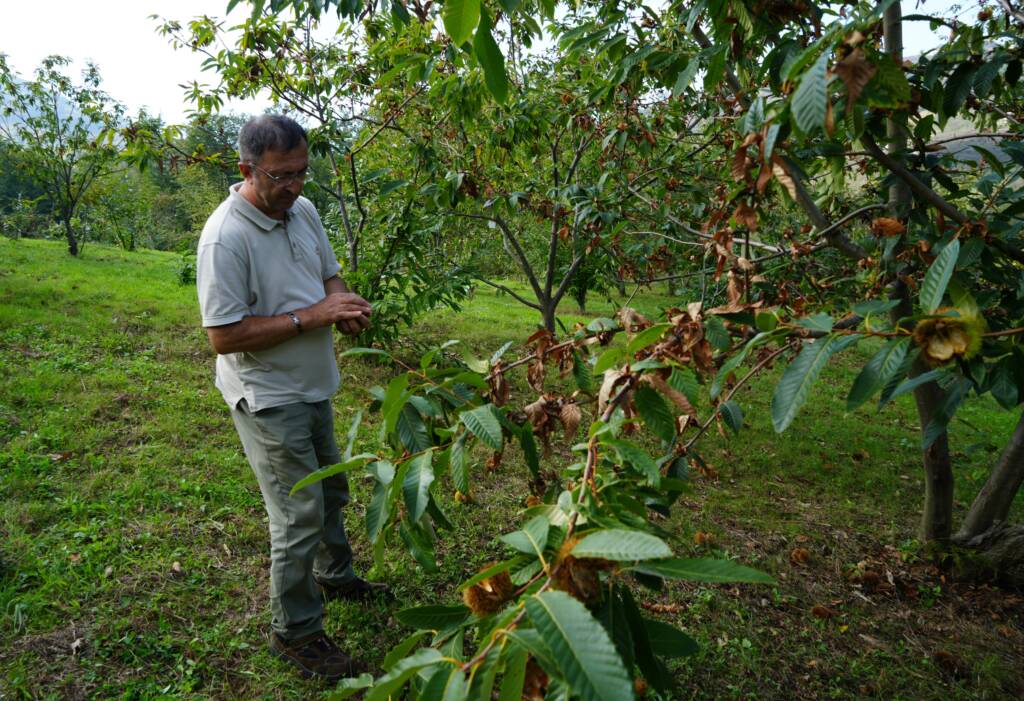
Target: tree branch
507	291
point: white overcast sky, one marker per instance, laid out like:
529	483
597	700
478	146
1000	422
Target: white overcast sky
140	68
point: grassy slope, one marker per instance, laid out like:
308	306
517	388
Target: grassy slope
118	460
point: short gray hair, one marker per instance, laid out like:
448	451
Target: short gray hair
268	132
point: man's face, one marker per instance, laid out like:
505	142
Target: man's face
275	197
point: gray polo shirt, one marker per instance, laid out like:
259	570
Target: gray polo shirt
249	264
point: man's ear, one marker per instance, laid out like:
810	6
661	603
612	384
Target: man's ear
245	169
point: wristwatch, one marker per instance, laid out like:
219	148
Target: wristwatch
295	320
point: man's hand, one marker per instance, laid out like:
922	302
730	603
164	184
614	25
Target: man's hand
347	310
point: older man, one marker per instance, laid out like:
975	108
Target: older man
269	293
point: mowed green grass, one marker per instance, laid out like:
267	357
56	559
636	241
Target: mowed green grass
134	551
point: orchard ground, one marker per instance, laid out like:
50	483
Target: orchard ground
134	551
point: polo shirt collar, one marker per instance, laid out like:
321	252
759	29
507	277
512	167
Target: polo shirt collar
249	210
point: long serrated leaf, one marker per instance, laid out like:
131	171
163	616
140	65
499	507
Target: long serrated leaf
401	650
653	669
732	414
909	385
434	617
668	641
621	545
938	275
490	58
646	337
582	649
795	386
529	445
638	458
482	422
350	438
511	688
877	372
347	688
394	400
378	512
532	539
411	430
416	485
396	678
703	570
457	465
460	19
655	413
811	96
320	475
683	380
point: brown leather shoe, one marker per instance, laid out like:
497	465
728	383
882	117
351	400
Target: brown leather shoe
357	590
314	655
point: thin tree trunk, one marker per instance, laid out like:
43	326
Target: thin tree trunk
69	233
992	505
937	519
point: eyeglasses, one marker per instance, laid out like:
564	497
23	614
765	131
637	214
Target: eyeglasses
284	178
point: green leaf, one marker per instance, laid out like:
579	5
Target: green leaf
515	674
938	275
396	678
878	371
434	617
703	570
683	380
732	415
350	439
363	351
482	422
581	647
489	572
795	386
653	669
347	688
819	322
668	641
608	359
646	337
394	400
655	413
401	650
460	18
621	545
490	58
532	539
457	464
320	475
581	373
378	512
717	334
418	545
416	485
958	87
811	96
412	432
685	77
874	306
637	457
529	445
913	383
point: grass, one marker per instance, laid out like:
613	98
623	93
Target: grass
134	552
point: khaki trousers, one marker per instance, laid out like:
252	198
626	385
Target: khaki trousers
307	534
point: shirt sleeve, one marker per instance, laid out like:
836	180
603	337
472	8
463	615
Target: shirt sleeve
222	281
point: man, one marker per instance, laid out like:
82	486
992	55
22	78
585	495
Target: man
269	293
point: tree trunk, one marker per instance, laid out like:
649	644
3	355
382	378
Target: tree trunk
70	234
992	505
547	310
937	520
995	555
